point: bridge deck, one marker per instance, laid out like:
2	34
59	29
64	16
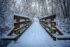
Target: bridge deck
35	36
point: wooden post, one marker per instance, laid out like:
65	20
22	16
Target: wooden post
17	26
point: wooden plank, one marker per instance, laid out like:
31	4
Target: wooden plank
8	39
59	31
63	38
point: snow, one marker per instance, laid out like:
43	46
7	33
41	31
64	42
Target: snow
35	36
9	31
6	37
64	43
20	15
62	36
6	23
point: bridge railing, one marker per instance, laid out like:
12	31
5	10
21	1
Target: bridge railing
49	24
21	24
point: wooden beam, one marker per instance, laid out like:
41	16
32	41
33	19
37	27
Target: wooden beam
59	31
63	38
52	16
20	17
19	23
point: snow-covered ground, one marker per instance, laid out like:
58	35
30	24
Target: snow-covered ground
35	36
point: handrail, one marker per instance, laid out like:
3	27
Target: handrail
19	17
45	24
52	16
27	23
52	35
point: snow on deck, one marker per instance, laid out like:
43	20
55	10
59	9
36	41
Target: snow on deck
35	36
